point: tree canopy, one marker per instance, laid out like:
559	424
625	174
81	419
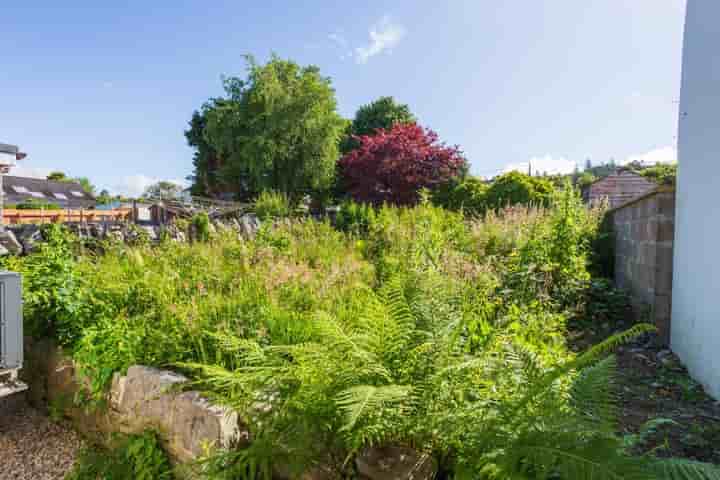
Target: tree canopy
163	189
394	165
661	173
518	188
384	113
206	161
58	177
276	129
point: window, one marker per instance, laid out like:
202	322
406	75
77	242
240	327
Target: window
77	194
19	189
61	196
36	194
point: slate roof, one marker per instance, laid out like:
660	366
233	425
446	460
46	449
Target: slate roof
618	188
5	148
65	194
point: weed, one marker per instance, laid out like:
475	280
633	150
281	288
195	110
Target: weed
137	457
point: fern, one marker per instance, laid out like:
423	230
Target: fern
364	400
400	372
674	469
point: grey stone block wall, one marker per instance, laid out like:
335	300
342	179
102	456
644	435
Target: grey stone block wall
644	230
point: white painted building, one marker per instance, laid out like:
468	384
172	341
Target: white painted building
695	331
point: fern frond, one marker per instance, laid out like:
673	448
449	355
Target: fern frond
676	469
360	401
388	323
590	357
602	349
247	351
566	455
527	363
593	396
352	346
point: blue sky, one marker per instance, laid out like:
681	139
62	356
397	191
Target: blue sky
106	91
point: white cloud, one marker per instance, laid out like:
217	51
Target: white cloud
544	164
384	36
666	154
135	185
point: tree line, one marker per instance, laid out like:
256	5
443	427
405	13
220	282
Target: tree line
278	130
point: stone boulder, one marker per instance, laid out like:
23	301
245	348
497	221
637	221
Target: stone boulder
29	236
144	398
150	398
394	463
10	242
248	225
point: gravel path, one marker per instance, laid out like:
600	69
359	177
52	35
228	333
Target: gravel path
32	447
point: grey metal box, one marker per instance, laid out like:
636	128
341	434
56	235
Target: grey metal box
11	322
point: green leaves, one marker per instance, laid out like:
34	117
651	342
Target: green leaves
278	129
363	401
138	457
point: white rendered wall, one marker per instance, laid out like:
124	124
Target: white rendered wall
695	331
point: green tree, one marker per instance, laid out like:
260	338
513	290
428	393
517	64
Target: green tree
467	194
383	113
104	197
515	187
206	161
276	129
163	189
661	173
58	177
86	185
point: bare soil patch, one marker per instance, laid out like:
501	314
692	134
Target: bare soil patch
662	409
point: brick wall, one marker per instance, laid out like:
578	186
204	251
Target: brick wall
644	230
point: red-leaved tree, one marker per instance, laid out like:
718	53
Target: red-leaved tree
392	166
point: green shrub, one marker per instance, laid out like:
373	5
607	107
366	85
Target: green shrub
602	241
662	173
36	205
517	188
598	302
137	457
53	299
201	226
270	205
468	195
355	217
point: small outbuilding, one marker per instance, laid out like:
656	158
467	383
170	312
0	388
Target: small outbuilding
618	188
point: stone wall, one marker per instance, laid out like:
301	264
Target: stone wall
644	230
186	423
144	398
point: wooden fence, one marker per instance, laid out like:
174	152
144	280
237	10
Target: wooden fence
13	216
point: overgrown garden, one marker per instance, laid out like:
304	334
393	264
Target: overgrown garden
412	326
431	312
